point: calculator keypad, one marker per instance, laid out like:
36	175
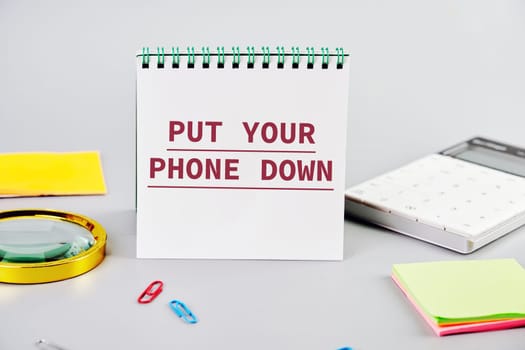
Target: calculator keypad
448	193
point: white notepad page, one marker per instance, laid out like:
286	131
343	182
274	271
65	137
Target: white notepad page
255	200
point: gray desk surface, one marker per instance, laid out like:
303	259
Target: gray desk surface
423	76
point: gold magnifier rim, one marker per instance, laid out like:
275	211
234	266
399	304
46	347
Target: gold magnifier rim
51	271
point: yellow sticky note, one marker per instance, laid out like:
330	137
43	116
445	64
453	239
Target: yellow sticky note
46	174
465	290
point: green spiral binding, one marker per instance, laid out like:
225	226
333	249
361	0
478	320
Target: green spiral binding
311	56
325	55
220	56
265	52
251	56
205	57
145	56
295	57
236	55
280	56
160	57
191	56
175	57
340	57
266	56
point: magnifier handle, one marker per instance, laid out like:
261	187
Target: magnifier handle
45	345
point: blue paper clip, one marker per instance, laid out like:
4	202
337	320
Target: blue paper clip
182	311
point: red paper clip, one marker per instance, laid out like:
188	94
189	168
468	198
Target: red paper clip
152	291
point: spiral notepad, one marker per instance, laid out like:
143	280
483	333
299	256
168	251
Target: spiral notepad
241	153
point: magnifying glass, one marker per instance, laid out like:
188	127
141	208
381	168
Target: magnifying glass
40	245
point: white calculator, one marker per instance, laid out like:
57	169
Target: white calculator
462	198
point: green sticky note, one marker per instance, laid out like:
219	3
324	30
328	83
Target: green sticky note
466	291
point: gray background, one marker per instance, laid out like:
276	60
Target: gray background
424	75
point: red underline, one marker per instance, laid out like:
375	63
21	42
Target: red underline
248	188
236	150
